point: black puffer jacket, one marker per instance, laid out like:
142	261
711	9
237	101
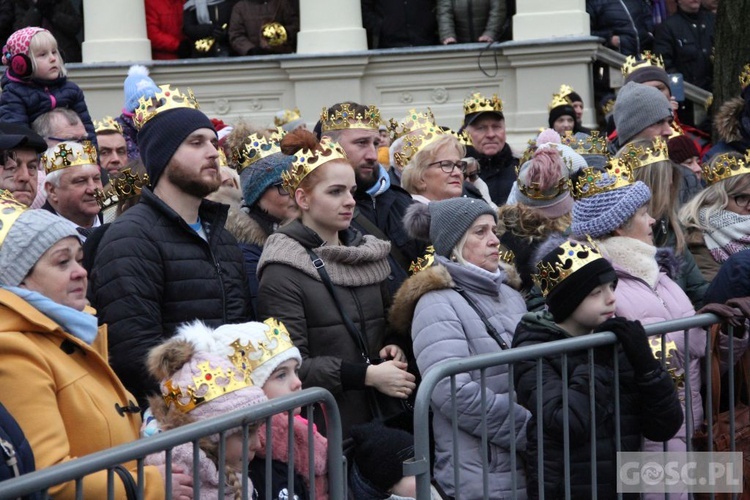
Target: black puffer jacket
399	23
152	272
497	171
648	407
609	18
686	42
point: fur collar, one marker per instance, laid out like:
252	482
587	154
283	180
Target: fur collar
727	120
632	256
244	228
405	301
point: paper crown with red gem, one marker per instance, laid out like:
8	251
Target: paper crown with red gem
164	100
68	154
647	58
256	147
343	117
592	181
569	257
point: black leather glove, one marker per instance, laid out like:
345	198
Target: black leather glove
220	33
183	51
632	337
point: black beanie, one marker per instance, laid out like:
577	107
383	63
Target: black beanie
567	295
559	111
379	453
574	97
160	137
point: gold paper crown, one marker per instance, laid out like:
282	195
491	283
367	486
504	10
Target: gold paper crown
164	100
248	357
274	33
477	103
305	161
124	186
107	124
534	192
570	257
559	100
591	145
287	116
608	107
69	154
528	153
745	76
414	142
647	59
222	159
640	156
413	121
726	166
592	181
205	387
256	148
10	210
423	263
346	118
507	256
565	90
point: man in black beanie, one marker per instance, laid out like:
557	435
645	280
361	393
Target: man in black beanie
168	259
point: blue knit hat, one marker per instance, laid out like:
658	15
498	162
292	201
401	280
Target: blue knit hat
601	214
263	174
137	85
160	137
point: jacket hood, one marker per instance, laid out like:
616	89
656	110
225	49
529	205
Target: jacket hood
244	228
540	326
727	120
405	301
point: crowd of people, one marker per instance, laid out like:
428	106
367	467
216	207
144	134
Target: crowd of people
161	267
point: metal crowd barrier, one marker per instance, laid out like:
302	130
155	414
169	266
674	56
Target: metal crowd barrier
419	466
76	470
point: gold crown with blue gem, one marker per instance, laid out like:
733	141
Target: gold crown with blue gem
166	98
570	257
345	116
256	147
477	103
306	160
725	166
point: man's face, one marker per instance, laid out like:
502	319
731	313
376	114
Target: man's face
19	174
487	134
63	131
74	198
658	84
662	128
113	152
194	167
361	147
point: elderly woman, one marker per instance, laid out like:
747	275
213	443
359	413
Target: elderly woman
613	209
54	370
717	220
436	171
446	308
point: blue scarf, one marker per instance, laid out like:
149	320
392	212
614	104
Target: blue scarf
382	184
81	325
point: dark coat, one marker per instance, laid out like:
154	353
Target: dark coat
13	439
467	20
399	23
686	41
219	15
249	16
60	17
23	101
497	171
608	18
152	272
649	407
291	290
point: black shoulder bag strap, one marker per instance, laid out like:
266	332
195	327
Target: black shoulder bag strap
374	230
348	323
491	330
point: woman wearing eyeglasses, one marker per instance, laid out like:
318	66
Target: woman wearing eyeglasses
717	220
436	171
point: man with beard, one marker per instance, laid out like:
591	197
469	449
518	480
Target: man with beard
169	258
484	123
380	204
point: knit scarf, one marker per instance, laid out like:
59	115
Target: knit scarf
382	184
633	256
730	233
81	325
201	9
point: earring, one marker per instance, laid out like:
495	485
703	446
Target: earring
454	258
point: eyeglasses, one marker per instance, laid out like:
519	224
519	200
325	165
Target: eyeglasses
742	200
280	189
447	166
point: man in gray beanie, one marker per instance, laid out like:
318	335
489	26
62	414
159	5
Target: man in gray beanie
641	112
169	258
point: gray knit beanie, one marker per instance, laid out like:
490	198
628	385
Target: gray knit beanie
451	219
32	234
263	174
601	214
637	107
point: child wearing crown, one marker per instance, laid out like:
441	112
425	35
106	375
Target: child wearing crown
36	82
197	385
579	287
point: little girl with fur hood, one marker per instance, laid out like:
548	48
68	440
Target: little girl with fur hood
183	368
273	365
36	82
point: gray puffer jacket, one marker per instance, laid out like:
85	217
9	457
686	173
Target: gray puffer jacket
444	327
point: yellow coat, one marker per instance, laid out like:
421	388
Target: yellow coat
64	400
